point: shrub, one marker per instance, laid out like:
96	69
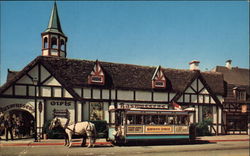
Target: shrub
202	127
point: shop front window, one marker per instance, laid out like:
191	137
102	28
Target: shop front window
207	113
96	111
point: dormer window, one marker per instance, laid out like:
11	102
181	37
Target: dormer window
97	75
158	79
239	93
159	84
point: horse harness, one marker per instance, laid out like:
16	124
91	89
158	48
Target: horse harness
74	132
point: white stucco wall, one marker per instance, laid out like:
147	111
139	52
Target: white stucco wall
86	111
106	111
96	93
25	80
79	111
20	90
46	91
105	94
60	105
67	94
86	93
160	96
125	95
8	91
44	73
143	96
78	91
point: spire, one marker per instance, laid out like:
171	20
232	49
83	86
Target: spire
54	22
54	42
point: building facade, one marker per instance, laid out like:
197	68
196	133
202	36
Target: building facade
53	85
236	106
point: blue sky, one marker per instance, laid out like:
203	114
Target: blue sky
170	34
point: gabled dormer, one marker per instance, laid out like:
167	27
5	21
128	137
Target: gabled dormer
97	75
158	79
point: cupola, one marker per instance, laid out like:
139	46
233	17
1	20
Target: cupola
53	39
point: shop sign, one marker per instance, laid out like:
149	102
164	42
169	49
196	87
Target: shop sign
159	129
134	129
181	129
60	103
17	106
126	106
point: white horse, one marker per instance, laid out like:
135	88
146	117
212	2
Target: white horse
85	129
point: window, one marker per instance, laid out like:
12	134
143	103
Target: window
54	43
241	95
96	78
159	84
207	113
62	45
96	111
45	42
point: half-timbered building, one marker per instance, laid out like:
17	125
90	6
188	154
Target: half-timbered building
237	101
85	90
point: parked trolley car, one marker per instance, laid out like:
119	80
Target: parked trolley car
135	124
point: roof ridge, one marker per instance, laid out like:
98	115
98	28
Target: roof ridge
136	65
234	67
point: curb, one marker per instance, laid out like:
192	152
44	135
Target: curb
212	141
48	144
97	143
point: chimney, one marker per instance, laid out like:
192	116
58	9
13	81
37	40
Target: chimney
194	65
229	64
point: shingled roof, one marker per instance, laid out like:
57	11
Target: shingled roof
74	73
11	74
236	76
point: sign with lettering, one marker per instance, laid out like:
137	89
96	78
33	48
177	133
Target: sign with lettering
126	106
60	103
182	129
134	129
18	106
159	129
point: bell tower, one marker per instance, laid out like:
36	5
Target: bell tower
53	39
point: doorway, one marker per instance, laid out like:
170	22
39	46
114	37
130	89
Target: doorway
23	123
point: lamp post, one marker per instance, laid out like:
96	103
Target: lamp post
35	80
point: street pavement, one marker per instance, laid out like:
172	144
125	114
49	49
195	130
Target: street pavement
226	145
103	142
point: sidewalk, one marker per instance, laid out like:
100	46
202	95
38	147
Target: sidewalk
103	142
223	138
47	142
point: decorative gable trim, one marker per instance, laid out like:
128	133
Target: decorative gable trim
196	79
97	75
25	72
158	79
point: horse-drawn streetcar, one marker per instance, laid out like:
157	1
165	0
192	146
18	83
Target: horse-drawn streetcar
149	124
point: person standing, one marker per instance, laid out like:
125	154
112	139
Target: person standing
1	123
8	124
